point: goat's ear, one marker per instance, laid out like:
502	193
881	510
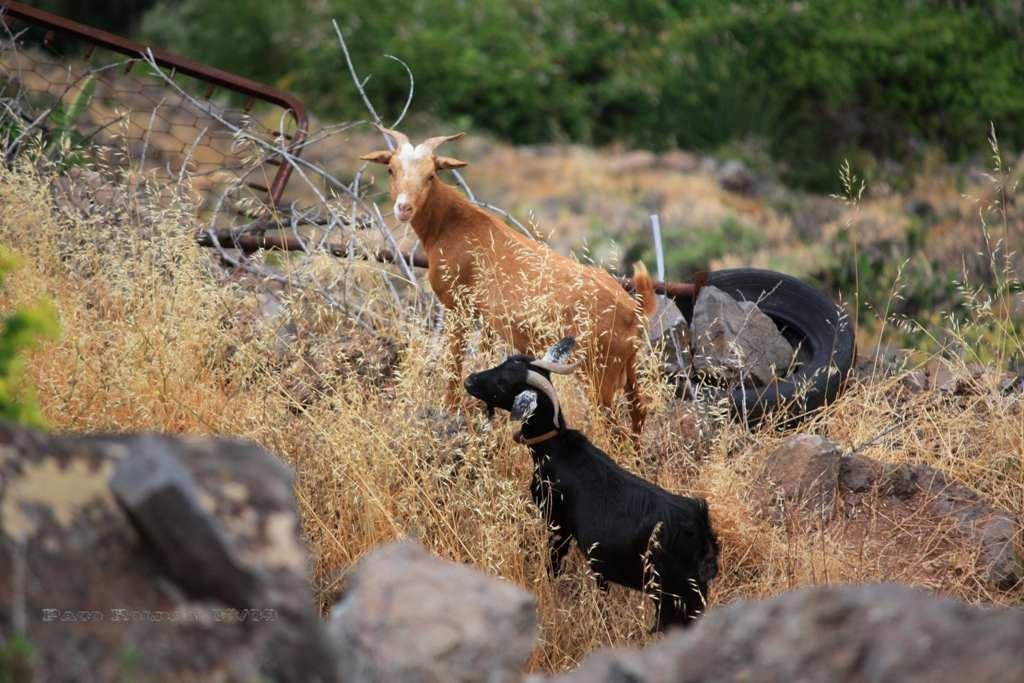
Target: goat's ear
444	163
381	157
524	404
559	353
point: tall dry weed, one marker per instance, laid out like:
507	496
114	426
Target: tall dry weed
157	336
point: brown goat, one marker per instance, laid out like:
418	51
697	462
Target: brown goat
476	259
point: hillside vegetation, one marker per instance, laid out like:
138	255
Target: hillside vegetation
157	335
813	81
810	82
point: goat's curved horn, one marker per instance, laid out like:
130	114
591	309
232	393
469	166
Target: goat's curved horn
435	142
538	381
558	368
561	350
399	137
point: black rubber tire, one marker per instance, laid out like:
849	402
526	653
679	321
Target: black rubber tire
806	317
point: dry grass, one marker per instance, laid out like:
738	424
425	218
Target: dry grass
158	337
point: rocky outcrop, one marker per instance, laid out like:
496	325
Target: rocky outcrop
409	616
810	474
173	558
733	340
879	633
800	474
991	531
157	558
942	377
952	378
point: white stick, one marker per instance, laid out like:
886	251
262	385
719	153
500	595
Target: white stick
659	252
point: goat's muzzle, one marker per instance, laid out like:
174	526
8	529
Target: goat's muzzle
473	389
403	210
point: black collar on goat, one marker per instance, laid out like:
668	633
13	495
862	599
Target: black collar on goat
633	532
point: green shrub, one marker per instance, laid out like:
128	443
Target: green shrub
59	141
116	16
17	659
689	250
816	79
20	331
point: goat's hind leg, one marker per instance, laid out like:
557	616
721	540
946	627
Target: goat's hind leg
679	610
670	613
611	382
637	403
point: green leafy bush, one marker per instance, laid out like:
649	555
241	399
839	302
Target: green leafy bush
17	659
817	79
689	250
20	331
117	16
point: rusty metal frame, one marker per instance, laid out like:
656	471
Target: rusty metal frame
176	64
252	89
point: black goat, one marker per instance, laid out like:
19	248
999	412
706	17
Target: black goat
633	533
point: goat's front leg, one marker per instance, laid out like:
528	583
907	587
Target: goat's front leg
559	535
456	343
558	547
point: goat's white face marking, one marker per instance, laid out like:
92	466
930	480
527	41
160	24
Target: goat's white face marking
412	172
409	155
524	404
413	169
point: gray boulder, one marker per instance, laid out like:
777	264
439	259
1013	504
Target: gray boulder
734	339
880	633
157	557
412	617
669	330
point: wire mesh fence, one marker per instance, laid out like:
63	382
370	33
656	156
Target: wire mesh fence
82	98
88	101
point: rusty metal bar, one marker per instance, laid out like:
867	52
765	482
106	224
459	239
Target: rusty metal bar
252	243
701	279
177	64
672	289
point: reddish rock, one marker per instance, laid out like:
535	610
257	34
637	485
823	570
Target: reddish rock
809	474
